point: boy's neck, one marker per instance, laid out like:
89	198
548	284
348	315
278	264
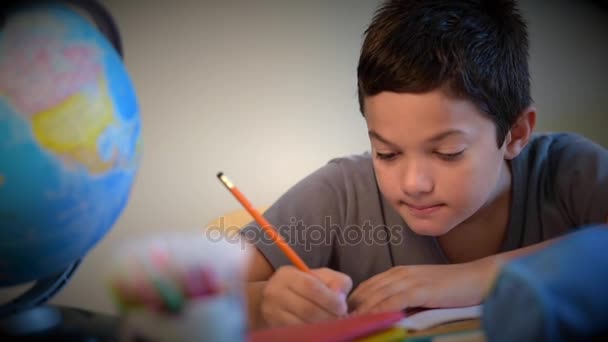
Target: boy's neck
483	233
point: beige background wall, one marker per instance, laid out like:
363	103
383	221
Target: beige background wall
265	91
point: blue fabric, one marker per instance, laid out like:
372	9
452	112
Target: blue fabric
557	294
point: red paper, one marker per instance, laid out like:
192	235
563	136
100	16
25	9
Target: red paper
344	329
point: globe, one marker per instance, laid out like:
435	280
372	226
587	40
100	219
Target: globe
69	140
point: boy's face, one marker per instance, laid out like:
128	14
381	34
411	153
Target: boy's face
435	157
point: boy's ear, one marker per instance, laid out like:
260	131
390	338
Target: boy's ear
520	133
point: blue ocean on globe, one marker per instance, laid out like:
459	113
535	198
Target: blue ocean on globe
70	140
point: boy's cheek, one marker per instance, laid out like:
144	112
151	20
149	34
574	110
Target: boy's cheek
387	182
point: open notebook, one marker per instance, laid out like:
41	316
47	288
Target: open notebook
354	327
426	319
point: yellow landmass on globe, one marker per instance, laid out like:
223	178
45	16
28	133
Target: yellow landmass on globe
71	128
1	180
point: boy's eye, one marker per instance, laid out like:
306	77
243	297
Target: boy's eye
450	156
385	156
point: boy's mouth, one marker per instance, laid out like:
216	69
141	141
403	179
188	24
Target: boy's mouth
422	208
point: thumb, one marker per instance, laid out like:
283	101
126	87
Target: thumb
336	281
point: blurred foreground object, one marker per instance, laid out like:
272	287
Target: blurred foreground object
182	288
556	294
69	147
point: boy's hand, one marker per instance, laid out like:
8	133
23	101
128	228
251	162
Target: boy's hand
294	297
432	286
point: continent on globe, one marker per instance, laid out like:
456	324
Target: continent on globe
72	128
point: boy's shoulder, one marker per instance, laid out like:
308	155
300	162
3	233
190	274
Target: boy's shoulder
564	173
360	159
556	148
349	165
561	160
338	177
356	170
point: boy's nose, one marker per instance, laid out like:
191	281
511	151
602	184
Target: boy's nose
416	180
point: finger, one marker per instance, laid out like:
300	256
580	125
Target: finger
414	297
357	296
304	309
376	281
335	280
381	293
280	318
364	286
314	290
367	289
279	296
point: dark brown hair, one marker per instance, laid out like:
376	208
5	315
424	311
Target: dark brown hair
478	50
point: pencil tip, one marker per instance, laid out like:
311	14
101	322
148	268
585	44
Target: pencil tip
220	174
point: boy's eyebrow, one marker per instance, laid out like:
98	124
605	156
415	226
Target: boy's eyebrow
437	137
374	135
445	134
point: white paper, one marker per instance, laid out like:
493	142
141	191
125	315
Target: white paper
430	318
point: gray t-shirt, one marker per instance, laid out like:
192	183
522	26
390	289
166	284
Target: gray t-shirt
337	217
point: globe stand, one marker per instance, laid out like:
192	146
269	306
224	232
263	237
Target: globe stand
28	318
30	322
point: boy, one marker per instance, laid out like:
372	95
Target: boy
455	184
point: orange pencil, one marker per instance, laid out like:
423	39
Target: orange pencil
266	226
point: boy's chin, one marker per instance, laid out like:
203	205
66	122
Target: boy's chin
429	228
